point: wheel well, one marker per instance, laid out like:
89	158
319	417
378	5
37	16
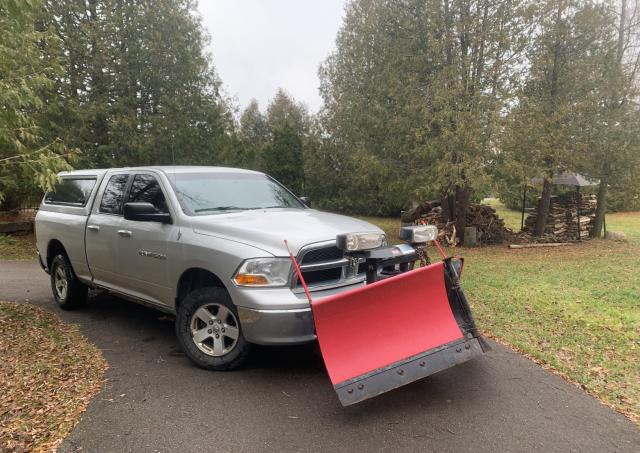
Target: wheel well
55	248
195	278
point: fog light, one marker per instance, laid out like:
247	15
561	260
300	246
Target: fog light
419	234
352	242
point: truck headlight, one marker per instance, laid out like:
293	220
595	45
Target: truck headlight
418	234
352	242
263	272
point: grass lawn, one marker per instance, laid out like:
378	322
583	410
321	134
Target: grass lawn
17	247
512	219
575	309
48	374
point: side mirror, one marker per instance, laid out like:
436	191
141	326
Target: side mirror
306	201
144	212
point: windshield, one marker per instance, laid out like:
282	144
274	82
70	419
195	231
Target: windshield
213	193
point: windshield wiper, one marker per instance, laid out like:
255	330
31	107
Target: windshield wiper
221	208
270	207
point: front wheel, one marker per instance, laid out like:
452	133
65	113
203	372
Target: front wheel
209	332
68	291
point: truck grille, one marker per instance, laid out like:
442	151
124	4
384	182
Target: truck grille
322	254
324	265
322	276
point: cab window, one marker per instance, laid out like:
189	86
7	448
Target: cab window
70	191
111	202
145	188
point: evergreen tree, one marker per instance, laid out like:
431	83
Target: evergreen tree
254	133
572	112
283	158
610	130
27	65
138	87
283	111
413	97
288	125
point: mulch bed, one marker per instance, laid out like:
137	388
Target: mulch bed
48	374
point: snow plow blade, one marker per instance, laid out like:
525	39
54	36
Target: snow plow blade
395	331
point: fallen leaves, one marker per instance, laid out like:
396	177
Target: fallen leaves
48	374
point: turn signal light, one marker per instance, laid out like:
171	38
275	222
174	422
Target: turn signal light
250	279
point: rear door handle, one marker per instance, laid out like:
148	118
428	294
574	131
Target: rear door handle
124	233
93	227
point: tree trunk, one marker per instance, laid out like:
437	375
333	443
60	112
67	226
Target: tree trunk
621	30
462	206
601	208
449	207
543	208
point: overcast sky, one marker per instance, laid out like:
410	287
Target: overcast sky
260	45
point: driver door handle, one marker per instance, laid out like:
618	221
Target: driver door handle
93	227
124	233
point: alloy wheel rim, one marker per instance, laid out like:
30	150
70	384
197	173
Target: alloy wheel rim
214	329
60	283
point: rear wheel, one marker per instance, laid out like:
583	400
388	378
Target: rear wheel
209	331
68	291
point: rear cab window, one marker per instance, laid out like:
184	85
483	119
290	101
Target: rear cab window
71	191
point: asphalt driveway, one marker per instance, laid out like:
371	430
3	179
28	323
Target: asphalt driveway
155	400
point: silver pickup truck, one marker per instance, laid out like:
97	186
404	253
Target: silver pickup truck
203	243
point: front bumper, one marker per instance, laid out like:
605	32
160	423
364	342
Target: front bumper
279	316
277	327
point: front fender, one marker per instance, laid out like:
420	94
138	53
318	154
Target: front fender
217	255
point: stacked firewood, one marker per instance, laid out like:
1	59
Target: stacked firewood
490	227
562	221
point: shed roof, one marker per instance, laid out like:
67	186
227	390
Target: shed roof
569	179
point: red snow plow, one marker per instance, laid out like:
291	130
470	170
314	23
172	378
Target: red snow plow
405	324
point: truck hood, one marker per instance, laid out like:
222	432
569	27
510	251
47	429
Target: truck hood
268	228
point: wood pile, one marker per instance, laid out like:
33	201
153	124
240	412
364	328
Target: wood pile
490	227
562	222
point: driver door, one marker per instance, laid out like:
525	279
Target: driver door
142	248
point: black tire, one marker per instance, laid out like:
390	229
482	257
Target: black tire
75	294
214	301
